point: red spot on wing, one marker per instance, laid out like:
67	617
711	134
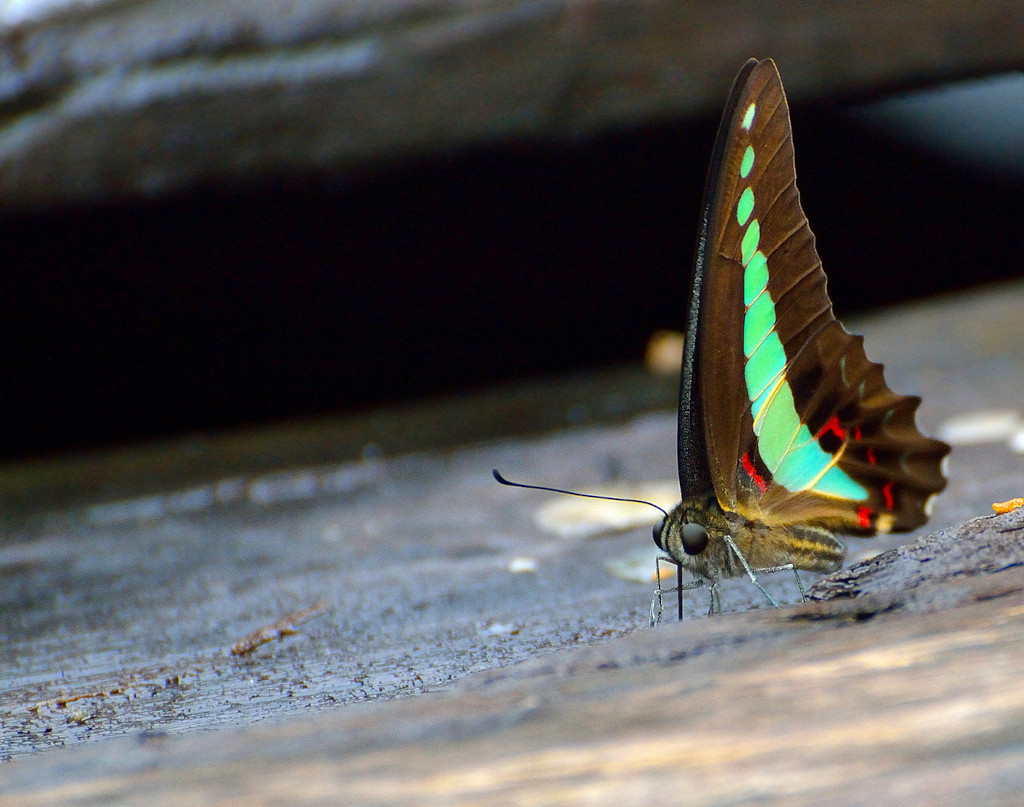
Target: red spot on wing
864	517
856	432
887	492
833	426
871	456
748	466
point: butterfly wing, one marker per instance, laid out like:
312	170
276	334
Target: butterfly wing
798	425
693	450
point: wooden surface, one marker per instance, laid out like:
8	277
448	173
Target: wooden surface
112	100
118	616
825	703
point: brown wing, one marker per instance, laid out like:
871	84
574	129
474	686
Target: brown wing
800	427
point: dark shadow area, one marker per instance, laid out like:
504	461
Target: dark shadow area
316	296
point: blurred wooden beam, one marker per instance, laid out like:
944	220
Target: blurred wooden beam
107	100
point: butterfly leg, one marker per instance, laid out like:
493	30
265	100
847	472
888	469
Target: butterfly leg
799	583
789	567
657	608
657	602
715	606
750	572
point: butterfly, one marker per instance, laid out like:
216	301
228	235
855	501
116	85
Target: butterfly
787	434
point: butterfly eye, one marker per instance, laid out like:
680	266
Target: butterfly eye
657	533
695	539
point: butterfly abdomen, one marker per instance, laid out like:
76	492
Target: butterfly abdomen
805	546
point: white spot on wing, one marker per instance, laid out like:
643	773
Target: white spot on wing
748	117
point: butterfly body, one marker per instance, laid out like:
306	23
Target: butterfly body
788	434
804	546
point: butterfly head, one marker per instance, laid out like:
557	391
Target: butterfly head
686	533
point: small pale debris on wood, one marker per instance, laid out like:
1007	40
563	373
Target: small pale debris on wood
1016	442
80	716
636	566
664	353
984	426
1007	506
521	564
573	517
285	626
498	629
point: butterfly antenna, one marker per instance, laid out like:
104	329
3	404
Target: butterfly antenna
505	481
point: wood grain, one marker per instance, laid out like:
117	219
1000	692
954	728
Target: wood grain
805	705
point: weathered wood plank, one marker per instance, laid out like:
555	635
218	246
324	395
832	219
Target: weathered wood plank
923	572
807	705
112	100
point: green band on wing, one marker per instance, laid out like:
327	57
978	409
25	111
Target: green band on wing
834	482
800	463
750	240
786	446
755	278
759	322
745	207
765	364
758	403
747	162
776	428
